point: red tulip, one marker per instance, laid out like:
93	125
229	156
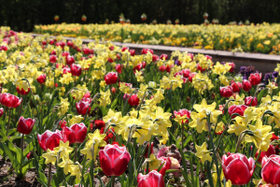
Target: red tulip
4	48
1	111
22	91
110	60
246	85
28	156
138	67
163	56
62	123
191	76
271	169
110	134
155	58
69	43
25	125
41	79
270	151
200	68
149	149
99	124
186	73
274	137
76	69
49	139
74	134
255	78
226	91
238	168
133	100
111	78
83	106
52	42
236	86
70	60
208	57
162	68
251	101
132	52
87	51
113	90
168	68
232	64
124	49
66	70
87	95
152	179
65	54
53	52
171	163
53	59
119	68
239	109
111	48
10	100
145	51
114	159
183	112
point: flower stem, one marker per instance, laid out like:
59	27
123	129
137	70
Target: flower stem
182	137
92	172
50	175
9	120
76	153
21	146
113	181
213	148
92	166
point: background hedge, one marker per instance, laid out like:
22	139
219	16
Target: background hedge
23	14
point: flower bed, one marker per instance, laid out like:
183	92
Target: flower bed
263	38
98	114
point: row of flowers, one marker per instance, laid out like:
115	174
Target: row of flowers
99	114
261	38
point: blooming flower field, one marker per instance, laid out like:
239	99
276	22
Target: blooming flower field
98	114
261	38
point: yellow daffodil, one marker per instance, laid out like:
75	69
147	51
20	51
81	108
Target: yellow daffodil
50	157
95	140
203	153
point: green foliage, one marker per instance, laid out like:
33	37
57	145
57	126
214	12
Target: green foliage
23	14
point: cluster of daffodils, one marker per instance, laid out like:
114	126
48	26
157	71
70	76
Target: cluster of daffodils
99	112
262	38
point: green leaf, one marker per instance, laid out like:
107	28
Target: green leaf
261	94
15	149
42	178
114	104
9	154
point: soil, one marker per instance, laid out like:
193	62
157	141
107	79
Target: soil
8	178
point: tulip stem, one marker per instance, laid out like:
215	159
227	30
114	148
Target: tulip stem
50	175
76	153
113	181
92	166
213	148
21	146
240	138
9	120
92	172
182	137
